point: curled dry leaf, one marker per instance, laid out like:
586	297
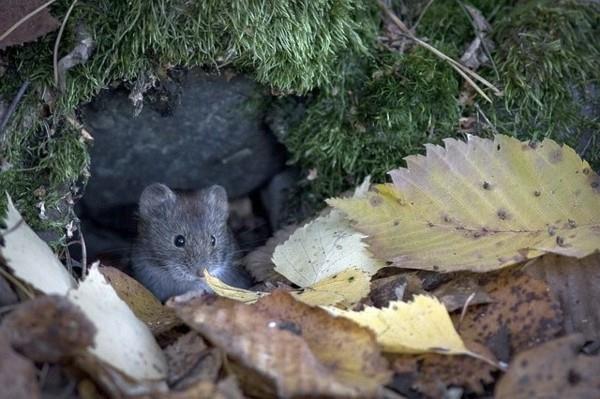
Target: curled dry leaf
30	258
122	340
286	348
343	289
576	283
481	205
144	305
48	329
323	248
259	262
422	325
523	313
554	370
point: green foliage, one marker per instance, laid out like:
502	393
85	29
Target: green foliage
376	114
547	60
292	46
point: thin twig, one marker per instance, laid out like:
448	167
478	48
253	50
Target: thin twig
57	42
16	282
13	107
83	254
455	64
24	19
414	27
464	309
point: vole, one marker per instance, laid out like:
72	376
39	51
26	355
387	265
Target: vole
180	235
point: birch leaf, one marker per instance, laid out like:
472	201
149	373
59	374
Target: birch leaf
323	248
343	289
422	325
122	340
481	205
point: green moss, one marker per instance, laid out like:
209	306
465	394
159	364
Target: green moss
378	114
292	46
547	59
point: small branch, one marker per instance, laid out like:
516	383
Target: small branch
24	19
57	42
461	69
13	106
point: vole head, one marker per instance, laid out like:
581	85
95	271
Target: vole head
185	233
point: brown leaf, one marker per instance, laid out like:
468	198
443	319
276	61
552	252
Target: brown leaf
48	329
259	263
476	55
18	375
554	370
36	26
396	287
225	389
282	347
576	283
144	305
190	360
455	293
431	373
521	304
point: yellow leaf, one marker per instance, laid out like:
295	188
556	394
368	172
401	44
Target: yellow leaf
481	205
419	326
323	248
343	289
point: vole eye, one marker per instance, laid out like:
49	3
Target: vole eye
213	241
179	241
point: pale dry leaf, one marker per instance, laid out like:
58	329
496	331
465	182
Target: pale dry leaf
122	340
422	325
323	248
343	290
30	258
481	205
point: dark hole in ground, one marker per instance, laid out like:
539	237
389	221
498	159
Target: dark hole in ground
195	129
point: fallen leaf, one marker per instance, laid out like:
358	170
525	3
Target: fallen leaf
523	310
48	329
144	305
482	205
122	339
27	255
553	370
432	374
259	263
462	288
477	52
422	325
190	360
18	375
286	348
344	290
34	27
323	248
576	284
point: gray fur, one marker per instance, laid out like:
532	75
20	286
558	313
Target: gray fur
168	270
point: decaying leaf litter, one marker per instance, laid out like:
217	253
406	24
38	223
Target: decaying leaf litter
351	316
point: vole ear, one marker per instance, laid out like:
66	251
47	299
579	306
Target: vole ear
215	198
155	200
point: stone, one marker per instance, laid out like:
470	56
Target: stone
194	130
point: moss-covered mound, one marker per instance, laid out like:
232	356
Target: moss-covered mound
367	105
